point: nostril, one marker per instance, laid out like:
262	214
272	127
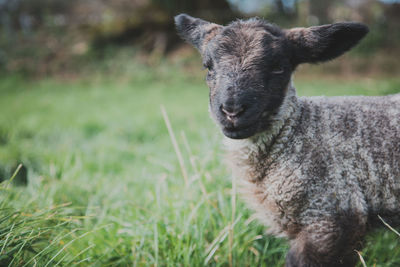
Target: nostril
232	112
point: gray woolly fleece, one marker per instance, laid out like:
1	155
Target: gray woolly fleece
323	158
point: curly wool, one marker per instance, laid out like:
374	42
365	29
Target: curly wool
323	157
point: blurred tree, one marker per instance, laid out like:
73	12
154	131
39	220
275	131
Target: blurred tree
286	9
44	35
216	10
56	30
319	11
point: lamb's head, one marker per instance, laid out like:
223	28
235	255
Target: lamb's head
250	64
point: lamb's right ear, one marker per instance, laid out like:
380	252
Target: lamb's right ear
195	31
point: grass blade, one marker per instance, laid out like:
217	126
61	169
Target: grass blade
388	226
175	145
361	259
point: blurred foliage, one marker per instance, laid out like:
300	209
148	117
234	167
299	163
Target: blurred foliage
52	36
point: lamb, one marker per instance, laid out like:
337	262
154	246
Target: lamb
317	170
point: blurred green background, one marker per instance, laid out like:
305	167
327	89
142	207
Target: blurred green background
47	37
90	174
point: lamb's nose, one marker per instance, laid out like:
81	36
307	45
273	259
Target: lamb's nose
232	111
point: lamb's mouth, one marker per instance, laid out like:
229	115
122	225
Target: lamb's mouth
239	133
248	130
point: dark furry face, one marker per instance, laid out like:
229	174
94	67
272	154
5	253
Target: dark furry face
248	74
250	63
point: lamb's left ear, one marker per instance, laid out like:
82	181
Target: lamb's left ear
321	43
195	31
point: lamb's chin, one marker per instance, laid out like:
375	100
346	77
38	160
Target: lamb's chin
242	133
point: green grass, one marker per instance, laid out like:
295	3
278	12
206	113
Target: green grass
105	187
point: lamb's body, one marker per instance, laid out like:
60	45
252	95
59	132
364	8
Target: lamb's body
317	170
326	160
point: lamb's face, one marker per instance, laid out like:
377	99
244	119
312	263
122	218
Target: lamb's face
250	63
248	74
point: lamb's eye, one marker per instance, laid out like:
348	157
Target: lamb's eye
277	69
208	65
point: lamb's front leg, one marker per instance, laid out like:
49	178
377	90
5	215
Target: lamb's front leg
327	243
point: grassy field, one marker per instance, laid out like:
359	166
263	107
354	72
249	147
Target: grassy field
105	186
